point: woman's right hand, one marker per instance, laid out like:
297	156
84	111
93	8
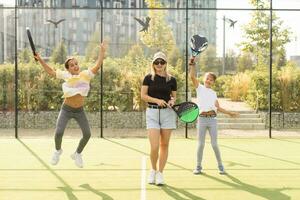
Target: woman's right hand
162	103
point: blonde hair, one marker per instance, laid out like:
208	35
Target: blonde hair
168	76
213	75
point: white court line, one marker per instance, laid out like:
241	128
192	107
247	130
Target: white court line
143	178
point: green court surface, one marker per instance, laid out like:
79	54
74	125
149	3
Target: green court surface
258	169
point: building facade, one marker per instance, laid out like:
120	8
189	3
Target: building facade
80	19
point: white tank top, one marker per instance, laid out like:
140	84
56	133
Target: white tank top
206	99
75	84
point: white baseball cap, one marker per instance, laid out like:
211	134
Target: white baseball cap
160	55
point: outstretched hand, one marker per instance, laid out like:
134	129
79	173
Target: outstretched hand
234	114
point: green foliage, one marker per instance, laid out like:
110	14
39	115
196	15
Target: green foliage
7	87
253	87
92	50
122	79
257	35
25	56
59	54
222	85
159	35
208	61
244	62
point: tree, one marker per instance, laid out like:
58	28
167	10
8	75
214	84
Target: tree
59	54
159	35
208	60
25	56
92	50
244	62
257	35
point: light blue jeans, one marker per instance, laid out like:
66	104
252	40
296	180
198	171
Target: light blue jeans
210	124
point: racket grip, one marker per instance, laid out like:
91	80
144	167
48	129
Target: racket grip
192	60
34	54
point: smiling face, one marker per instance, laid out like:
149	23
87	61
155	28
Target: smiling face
159	65
209	80
73	66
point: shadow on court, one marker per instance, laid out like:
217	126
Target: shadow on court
270	194
261	155
174	193
67	189
100	194
69	192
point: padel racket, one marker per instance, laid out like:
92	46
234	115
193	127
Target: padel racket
198	44
31	41
186	111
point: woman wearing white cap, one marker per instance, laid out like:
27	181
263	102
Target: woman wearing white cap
159	91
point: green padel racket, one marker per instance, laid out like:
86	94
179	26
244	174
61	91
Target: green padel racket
186	111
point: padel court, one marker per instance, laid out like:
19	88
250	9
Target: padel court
258	169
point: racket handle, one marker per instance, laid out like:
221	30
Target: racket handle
192	60
34	54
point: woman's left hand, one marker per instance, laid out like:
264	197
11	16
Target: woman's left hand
171	102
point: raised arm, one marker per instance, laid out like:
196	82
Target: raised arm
100	59
192	68
46	67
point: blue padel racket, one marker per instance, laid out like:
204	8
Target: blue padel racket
186	111
198	44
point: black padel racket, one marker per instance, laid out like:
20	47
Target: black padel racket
31	41
198	44
186	111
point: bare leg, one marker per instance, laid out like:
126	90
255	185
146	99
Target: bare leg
165	135
154	135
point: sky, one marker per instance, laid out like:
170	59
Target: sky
235	36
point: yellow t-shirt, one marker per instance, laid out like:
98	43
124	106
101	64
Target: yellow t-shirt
75	84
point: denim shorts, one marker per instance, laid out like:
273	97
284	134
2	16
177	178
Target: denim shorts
160	118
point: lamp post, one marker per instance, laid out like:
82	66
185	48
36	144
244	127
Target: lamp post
55	23
232	22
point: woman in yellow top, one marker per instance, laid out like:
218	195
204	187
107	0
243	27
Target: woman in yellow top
75	89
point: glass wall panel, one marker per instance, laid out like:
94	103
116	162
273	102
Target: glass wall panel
57	34
286	4
131	49
7	72
234	4
286	71
237	53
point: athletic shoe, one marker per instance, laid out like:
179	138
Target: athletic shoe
221	169
197	170
151	177
159	178
78	159
55	157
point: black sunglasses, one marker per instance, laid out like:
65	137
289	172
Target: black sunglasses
162	62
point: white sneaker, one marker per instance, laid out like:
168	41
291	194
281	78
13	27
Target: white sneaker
197	170
159	178
151	177
221	170
78	159
55	157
